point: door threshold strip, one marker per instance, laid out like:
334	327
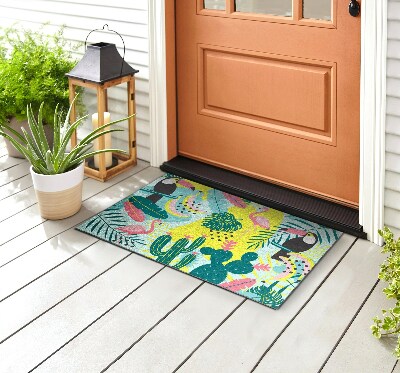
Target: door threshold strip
330	214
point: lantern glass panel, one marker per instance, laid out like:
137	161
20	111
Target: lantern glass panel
118	109
88	97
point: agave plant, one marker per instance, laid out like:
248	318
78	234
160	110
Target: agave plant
46	161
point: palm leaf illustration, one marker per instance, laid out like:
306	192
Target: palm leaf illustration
260	240
148	207
267	295
104	226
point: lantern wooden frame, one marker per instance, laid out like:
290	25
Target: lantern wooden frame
124	161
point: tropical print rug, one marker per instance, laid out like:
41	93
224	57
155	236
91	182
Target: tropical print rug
246	248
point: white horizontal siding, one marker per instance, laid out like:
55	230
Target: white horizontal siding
392	177
128	17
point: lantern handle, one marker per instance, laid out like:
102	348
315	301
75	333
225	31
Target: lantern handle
108	29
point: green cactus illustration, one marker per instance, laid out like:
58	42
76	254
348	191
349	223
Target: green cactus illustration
186	260
178	247
243	265
216	272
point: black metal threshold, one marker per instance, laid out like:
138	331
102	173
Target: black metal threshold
330	214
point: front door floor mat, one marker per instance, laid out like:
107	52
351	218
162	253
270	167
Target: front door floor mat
249	249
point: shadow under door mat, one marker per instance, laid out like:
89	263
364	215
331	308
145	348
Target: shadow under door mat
249	249
330	214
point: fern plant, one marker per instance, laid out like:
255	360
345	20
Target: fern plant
33	65
389	323
55	160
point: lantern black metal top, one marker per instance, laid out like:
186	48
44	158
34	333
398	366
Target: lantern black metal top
101	63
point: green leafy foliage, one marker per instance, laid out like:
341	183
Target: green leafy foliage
47	161
389	323
268	295
148	207
33	67
260	239
108	221
224	221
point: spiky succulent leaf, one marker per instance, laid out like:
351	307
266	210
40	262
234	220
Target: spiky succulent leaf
35	148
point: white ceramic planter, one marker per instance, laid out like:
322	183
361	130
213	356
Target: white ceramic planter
59	196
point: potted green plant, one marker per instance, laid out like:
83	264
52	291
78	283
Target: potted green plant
33	71
389	323
57	173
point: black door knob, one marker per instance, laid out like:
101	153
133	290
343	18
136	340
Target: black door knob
354	8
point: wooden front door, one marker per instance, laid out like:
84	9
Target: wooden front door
270	88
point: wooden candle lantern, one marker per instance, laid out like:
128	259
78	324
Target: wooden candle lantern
101	68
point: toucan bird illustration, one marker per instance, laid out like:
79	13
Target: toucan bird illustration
296	245
163	187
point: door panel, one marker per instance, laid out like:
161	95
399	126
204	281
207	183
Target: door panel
284	91
273	97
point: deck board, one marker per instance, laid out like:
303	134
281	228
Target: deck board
18	273
372	355
72	303
13	173
30	217
259	326
16	186
179	334
56	327
315	331
17	202
52	252
7	162
41	233
19	223
124	325
3	151
56	285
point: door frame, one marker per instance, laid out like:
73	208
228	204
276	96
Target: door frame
162	96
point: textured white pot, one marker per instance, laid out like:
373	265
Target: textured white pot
59	196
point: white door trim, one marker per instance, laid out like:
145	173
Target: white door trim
373	104
157	83
373	116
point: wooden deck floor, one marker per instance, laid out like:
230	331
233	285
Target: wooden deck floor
72	303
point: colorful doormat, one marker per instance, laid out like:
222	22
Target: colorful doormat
252	250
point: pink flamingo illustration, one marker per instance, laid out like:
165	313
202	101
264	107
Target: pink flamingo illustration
260	221
297	232
139	229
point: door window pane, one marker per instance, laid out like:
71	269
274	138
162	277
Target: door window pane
317	9
215	4
273	7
